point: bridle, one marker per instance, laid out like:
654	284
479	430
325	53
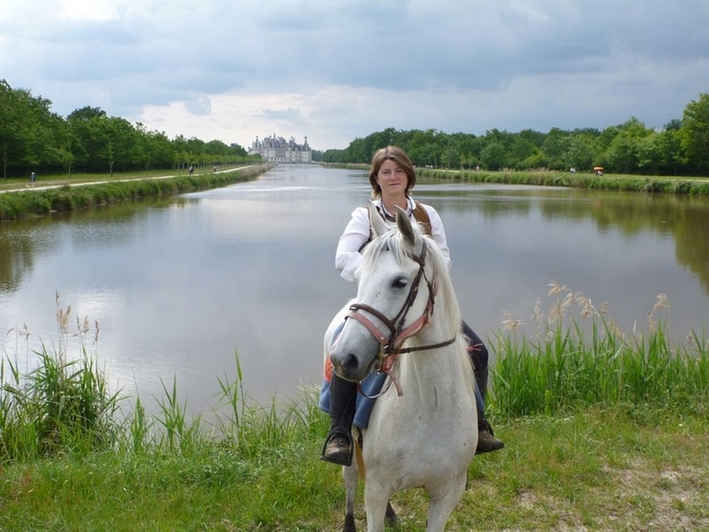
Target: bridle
391	345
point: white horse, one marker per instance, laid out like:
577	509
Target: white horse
405	322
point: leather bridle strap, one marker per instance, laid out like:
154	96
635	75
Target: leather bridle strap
396	335
383	340
391	346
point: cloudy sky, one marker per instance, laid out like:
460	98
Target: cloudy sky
335	70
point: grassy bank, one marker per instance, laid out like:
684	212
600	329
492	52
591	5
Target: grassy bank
627	183
604	430
84	192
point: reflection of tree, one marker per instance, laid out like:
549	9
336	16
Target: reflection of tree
684	218
492	204
23	242
692	244
16	259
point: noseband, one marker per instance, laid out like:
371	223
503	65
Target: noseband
391	344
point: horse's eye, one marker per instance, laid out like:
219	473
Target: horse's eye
400	282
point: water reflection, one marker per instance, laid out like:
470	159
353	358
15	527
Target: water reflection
178	285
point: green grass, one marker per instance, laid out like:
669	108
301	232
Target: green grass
603	431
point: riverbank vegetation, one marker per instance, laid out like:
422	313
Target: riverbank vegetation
698	186
58	195
677	149
619	183
604	429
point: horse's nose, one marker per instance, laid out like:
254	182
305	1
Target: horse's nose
346	366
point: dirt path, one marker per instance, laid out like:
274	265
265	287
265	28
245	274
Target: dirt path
17	187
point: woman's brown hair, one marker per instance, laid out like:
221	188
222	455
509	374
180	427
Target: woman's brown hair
399	157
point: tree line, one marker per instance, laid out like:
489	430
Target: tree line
33	138
681	147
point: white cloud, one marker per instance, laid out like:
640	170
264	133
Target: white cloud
96	10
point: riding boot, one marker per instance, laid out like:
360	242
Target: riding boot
487	442
338	447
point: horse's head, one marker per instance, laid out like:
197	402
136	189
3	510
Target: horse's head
395	296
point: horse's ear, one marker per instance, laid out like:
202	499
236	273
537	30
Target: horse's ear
376	222
406	228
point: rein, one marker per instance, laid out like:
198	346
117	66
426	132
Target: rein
391	345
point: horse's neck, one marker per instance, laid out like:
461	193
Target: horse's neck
434	383
432	364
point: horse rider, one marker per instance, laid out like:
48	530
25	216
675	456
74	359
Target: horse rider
392	175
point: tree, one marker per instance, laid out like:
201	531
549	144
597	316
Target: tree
11	133
555	146
522	152
158	152
694	135
671	153
27	129
89	129
579	152
450	158
622	154
424	148
86	113
493	156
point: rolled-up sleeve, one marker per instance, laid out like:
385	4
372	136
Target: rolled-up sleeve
356	234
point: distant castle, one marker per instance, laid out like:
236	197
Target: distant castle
279	150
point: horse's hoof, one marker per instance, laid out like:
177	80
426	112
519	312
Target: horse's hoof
349	524
391	518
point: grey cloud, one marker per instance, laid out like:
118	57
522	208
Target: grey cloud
283	114
201	106
577	61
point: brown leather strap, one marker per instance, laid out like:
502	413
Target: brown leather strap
422	217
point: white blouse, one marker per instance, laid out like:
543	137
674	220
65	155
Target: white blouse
357	232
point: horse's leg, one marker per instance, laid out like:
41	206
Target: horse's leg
350	478
443	501
376	501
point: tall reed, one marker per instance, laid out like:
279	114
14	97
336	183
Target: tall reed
574	361
251	428
63	405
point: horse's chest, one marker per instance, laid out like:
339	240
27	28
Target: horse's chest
422	435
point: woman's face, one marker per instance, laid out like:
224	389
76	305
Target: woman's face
392	178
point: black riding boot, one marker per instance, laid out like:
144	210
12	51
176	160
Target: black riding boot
479	357
338	446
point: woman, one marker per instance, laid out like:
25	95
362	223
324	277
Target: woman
392	176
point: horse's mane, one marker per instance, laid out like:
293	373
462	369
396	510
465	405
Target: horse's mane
394	242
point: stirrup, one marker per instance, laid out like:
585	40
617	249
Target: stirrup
338	456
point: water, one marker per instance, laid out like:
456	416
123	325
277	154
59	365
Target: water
178	286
